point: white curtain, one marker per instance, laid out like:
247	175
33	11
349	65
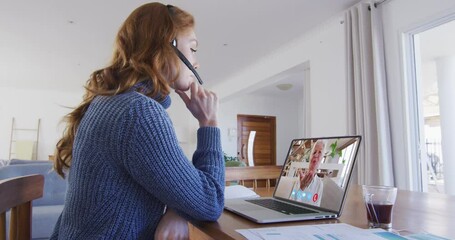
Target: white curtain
367	94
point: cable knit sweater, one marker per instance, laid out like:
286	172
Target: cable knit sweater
127	166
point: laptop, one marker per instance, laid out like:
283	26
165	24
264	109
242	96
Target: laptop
312	185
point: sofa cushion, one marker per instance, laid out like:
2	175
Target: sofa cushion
54	185
20	161
44	219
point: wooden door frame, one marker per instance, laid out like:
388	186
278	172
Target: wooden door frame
273	133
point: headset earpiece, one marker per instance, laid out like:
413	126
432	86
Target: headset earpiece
174	42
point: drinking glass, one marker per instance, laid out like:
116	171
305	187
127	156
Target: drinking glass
379	201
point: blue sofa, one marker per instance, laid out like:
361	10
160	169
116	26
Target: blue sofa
47	209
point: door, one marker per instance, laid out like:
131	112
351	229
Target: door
434	64
264	144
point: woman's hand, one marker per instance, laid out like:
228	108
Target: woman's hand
305	178
203	104
172	226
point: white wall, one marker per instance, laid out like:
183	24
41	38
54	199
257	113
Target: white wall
324	48
286	111
400	16
27	106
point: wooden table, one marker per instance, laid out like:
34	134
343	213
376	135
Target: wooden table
414	212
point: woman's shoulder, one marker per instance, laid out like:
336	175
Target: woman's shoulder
130	107
143	107
132	99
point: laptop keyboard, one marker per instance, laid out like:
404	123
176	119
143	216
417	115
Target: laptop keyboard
280	206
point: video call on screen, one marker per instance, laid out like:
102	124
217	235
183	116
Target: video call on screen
316	171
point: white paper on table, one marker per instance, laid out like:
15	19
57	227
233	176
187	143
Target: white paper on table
407	236
238	191
338	231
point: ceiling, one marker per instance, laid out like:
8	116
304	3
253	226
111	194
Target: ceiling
56	45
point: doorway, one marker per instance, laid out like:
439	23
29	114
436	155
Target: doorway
433	54
264	143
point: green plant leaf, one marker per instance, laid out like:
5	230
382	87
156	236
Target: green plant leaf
229	158
333	150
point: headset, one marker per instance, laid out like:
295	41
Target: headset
185	61
182	57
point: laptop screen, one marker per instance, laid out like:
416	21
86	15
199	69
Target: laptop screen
317	171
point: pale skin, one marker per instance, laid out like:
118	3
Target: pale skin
203	105
307	176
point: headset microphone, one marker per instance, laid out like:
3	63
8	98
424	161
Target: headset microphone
185	60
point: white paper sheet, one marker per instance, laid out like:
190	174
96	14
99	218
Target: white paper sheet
238	191
338	231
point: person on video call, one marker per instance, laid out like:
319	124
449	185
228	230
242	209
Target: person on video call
128	178
309	187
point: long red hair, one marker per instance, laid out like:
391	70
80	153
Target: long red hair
142	53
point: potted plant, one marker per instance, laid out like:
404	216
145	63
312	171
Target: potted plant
335	153
230	161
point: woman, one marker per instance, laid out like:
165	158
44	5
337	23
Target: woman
309	187
125	166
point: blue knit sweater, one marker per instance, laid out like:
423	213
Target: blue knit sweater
127	166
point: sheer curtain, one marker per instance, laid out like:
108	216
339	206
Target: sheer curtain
367	94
